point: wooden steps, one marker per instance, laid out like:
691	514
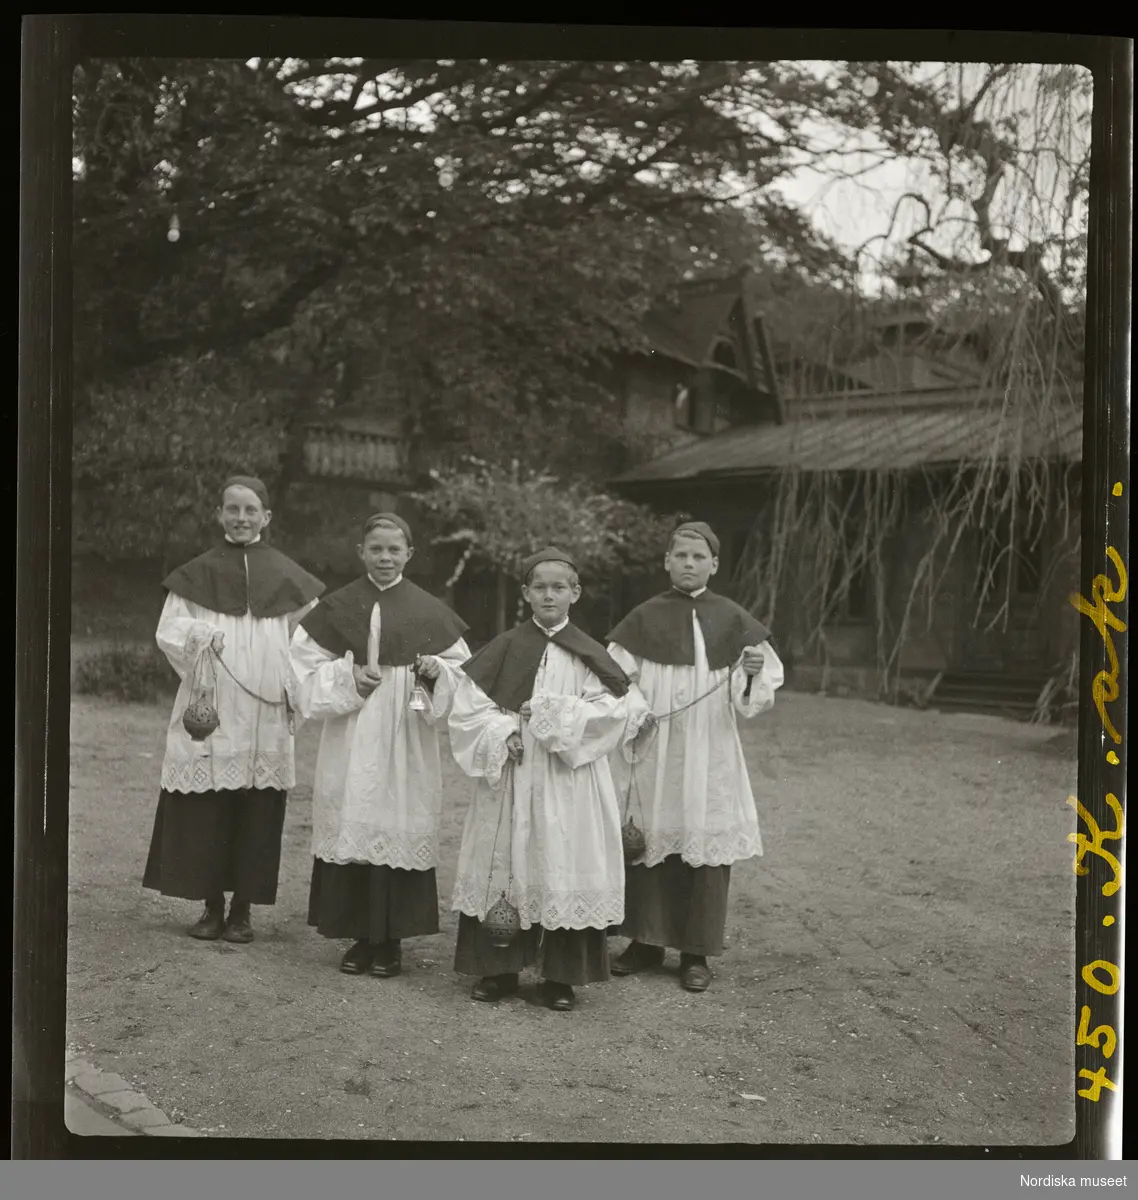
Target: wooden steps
994	693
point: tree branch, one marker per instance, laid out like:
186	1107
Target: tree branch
535	99
625	170
223	336
337	114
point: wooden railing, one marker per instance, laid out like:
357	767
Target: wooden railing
344	454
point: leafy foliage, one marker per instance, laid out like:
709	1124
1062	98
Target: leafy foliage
490	235
503	515
497	230
154	450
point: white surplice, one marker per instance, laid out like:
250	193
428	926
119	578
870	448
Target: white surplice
377	795
691	793
253	746
551	822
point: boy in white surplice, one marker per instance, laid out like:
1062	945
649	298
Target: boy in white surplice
534	719
377	796
227	620
702	662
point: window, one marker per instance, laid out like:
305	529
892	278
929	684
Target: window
695	405
724	355
726	390
704	410
682	407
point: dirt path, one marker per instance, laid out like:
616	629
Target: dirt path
899	968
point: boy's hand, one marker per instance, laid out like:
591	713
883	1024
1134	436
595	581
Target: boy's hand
514	747
218	642
753	660
525	712
428	667
645	735
366	680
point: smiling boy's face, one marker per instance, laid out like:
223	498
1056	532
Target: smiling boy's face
384	553
551	591
690	563
242	515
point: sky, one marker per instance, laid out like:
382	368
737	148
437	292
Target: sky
854	206
855	200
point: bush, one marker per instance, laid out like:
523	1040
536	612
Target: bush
130	673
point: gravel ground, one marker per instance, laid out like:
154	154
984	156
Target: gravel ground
899	970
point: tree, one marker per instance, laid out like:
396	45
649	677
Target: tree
497	229
989	241
501	515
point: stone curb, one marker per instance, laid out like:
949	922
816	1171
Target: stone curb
115	1104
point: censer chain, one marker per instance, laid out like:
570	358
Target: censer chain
247	690
632	780
506	791
692	703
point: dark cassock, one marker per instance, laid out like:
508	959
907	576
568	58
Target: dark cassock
690	793
377	795
222	803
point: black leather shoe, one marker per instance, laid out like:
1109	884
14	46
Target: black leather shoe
695	975
558	996
494	987
238	928
637	957
387	960
357	961
211	924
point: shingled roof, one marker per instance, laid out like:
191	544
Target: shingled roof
936	430
688	330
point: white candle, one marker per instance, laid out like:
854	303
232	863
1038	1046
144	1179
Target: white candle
373	639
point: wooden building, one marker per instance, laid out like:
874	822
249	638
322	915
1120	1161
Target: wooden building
908	413
704	364
715	437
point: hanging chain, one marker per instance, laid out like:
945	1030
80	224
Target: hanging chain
635	763
248	691
284	702
692	703
197	677
633	782
507	792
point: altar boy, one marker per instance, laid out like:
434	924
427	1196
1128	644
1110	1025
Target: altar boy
534	720
226	621
359	657
701	661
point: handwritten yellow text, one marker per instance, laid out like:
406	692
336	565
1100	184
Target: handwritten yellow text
1103	1037
1105	686
1098	1082
1091	979
1094	844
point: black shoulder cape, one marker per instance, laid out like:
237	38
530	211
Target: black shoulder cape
414	622
234	580
660	629
505	669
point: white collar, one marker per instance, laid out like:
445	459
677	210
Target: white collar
550	632
386	587
693	595
233	543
